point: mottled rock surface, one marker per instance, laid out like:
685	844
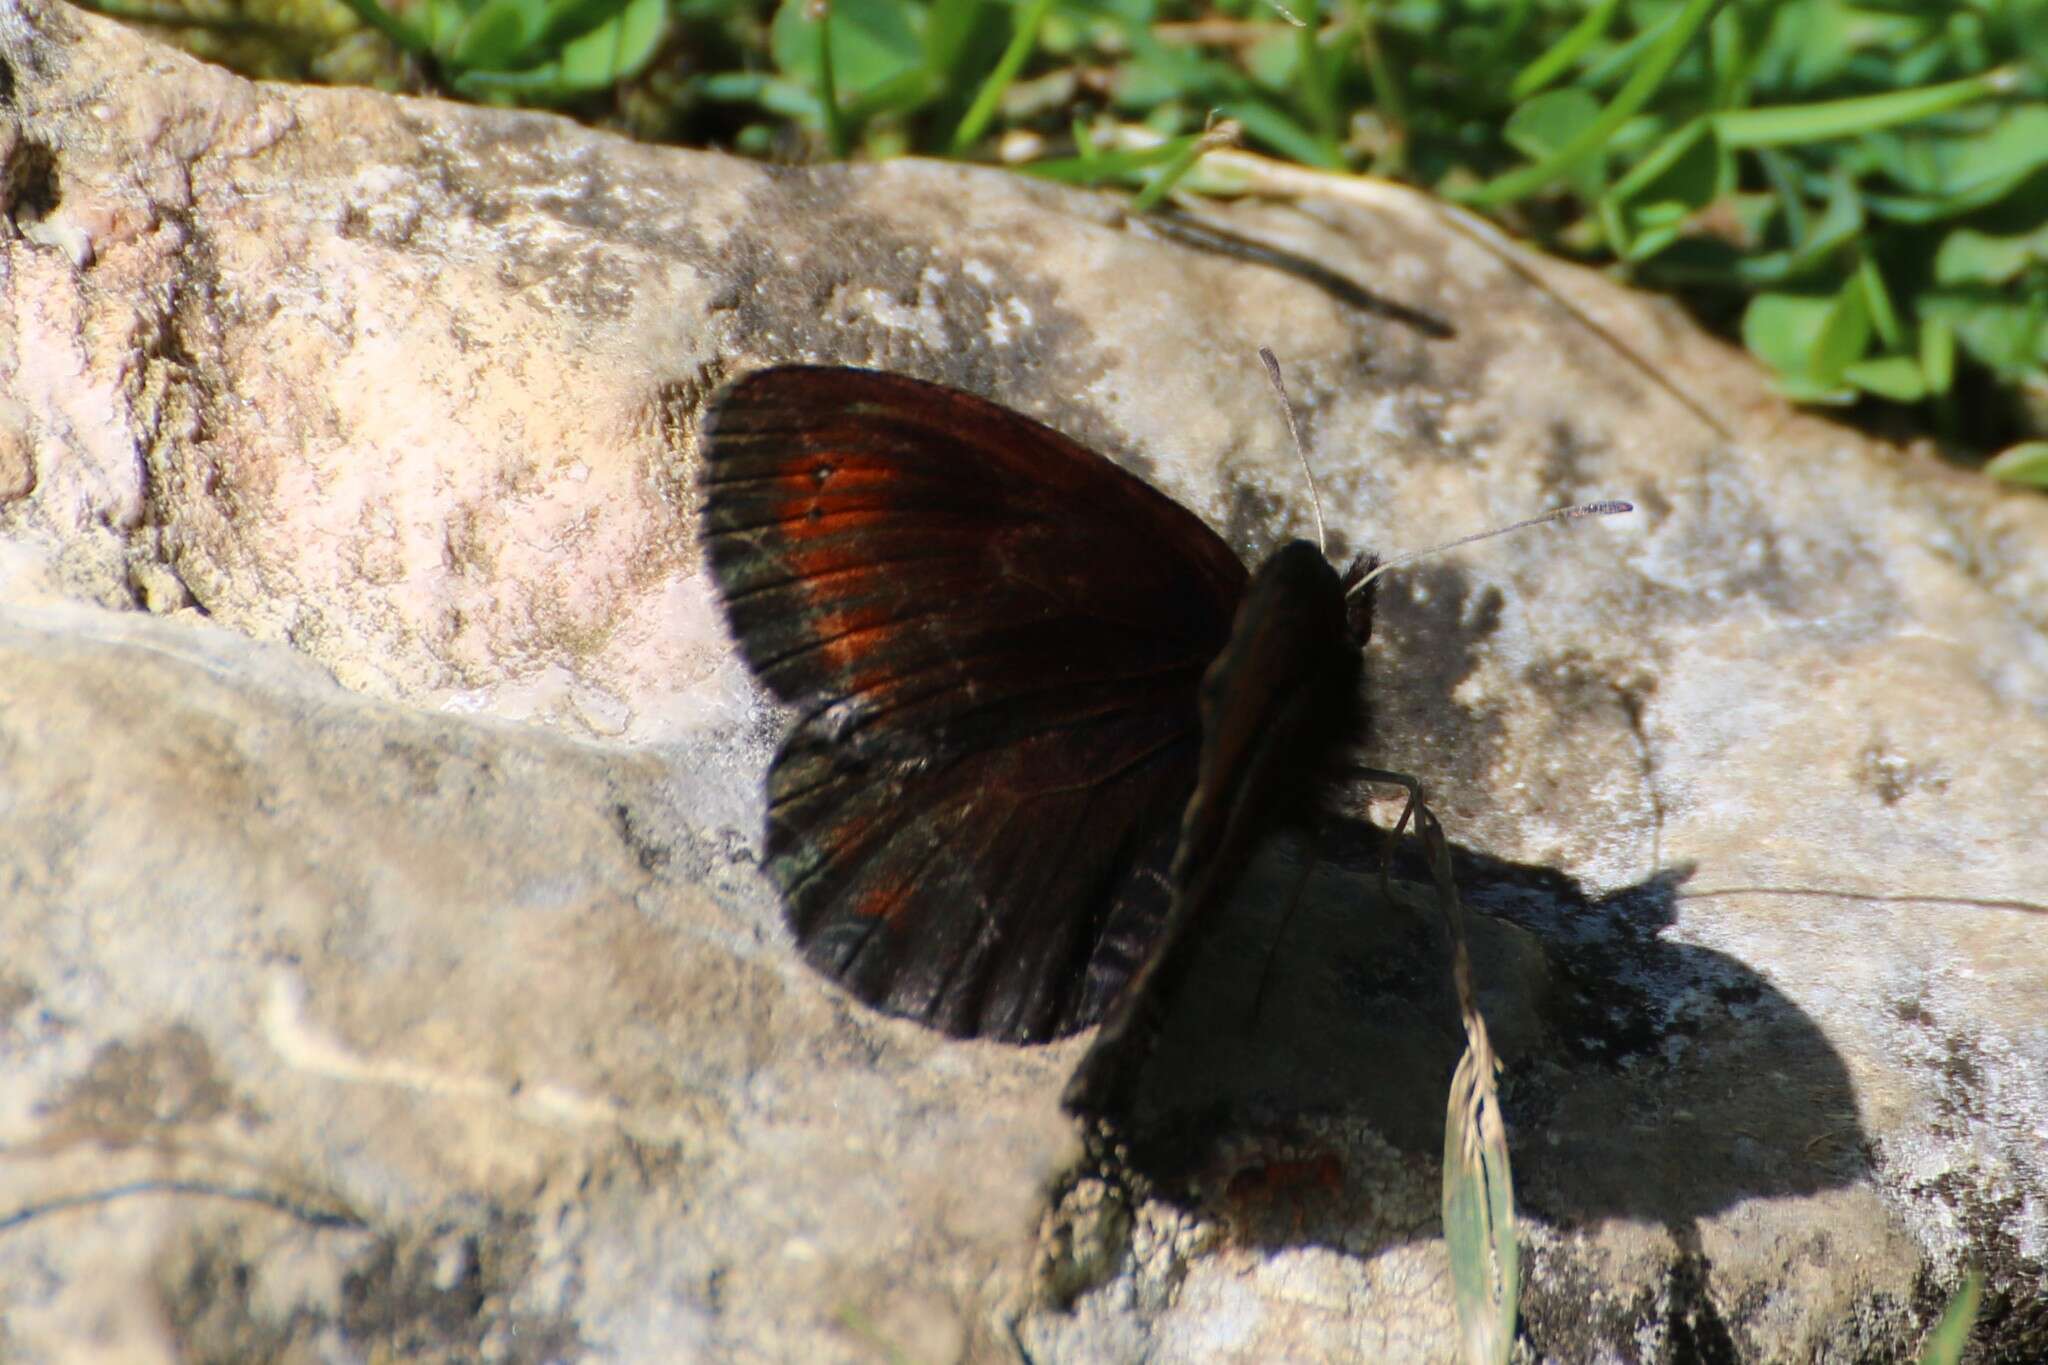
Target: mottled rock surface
383	967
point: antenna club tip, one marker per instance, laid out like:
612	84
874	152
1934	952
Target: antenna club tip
1606	509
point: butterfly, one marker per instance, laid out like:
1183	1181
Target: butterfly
1044	713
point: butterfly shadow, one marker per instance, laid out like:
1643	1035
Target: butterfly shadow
1310	1056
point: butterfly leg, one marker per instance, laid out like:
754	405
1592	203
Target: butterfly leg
1308	865
1392	779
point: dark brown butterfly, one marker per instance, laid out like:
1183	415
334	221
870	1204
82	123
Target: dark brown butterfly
1044	712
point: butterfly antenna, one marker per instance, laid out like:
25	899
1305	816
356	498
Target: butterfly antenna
1315	499
1583	509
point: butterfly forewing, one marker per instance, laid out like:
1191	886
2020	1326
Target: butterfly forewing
993	638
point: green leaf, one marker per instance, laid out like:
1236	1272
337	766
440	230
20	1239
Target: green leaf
1883	317
608	54
1915	209
1783	176
872	42
1896	377
571	19
1844	335
408	36
2016	145
1550	121
1801	389
1803	338
1782	329
1967	256
1937	354
733	87
498	34
2025	463
2030	29
2003	334
1809	46
617	50
1273	60
1816	242
1840	222
947	31
1140	85
901	93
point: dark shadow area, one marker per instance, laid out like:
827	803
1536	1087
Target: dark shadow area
1645	1079
1203	235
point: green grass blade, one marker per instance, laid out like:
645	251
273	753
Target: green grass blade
1564	52
1184	161
1100	166
1479	1198
1945	1343
976	120
1389	92
1318	89
1661	158
1634	93
1269	125
836	133
1479	1218
1806	123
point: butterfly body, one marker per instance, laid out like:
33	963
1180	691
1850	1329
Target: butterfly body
1283	701
1044	714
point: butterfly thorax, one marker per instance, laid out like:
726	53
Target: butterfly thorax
1282	703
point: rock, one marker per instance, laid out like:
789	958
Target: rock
383	967
455	1032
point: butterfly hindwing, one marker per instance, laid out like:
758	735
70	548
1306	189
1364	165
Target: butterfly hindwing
1281	701
993	638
